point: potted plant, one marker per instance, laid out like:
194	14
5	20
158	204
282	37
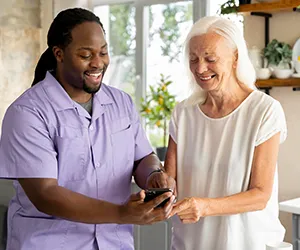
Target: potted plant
279	57
278	53
157	108
230	6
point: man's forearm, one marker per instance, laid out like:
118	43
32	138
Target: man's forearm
145	168
64	203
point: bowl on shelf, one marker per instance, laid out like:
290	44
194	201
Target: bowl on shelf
283	73
297	66
263	73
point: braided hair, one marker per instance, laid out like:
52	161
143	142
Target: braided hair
59	34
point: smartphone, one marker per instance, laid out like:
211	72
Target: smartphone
151	193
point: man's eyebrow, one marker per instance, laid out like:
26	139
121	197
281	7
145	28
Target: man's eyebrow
84	48
89	48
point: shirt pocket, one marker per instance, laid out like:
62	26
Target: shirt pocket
72	153
123	144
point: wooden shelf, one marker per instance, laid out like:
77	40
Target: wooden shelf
269	7
274	82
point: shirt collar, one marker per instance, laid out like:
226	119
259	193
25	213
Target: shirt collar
102	97
62	101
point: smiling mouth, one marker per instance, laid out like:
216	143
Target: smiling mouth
206	78
94	75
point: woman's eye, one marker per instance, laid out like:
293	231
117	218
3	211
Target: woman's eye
211	60
193	59
104	53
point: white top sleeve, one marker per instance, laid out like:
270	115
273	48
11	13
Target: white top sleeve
273	122
173	125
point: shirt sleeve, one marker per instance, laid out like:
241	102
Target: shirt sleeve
273	122
142	145
173	123
26	149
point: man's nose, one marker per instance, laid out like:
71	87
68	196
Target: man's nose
97	62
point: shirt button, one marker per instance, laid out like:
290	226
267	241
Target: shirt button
91	127
97	165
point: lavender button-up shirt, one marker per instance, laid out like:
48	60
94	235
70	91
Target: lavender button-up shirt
47	135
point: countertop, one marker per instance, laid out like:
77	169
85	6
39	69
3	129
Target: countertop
290	206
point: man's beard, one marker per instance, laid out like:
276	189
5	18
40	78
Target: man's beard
90	90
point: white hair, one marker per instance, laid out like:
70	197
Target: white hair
245	71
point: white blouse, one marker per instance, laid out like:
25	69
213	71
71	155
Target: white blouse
214	159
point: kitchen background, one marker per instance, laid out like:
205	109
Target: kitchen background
23	28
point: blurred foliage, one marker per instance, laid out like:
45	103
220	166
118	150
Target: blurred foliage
158	105
169	31
228	7
122	27
276	52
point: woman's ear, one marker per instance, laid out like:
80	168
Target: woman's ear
58	53
235	59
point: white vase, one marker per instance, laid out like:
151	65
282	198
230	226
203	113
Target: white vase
255	57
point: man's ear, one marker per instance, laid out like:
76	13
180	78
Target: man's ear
58	53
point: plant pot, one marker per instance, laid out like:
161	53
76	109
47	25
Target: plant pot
161	153
283	73
281	65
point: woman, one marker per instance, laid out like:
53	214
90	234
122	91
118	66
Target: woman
223	147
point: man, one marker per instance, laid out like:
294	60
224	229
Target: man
73	143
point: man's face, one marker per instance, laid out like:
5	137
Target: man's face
82	64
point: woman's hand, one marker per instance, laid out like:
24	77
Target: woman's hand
190	210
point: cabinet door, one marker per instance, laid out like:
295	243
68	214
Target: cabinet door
149	237
156	236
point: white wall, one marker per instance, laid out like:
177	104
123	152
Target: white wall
283	27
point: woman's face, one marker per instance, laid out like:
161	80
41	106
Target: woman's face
212	61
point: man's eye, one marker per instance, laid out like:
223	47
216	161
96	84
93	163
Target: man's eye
85	56
104	53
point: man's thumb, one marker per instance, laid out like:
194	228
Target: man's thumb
140	196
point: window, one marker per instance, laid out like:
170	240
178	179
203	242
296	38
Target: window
119	24
168	26
145	40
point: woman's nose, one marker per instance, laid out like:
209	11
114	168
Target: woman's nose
201	67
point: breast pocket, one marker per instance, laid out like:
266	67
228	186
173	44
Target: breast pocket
123	144
72	155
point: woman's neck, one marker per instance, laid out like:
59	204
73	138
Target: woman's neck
222	102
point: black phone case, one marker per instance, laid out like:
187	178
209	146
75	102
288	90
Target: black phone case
152	193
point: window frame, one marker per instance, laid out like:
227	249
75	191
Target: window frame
200	9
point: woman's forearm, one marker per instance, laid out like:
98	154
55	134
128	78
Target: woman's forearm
251	200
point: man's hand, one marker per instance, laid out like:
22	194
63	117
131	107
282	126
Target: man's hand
190	210
136	211
161	180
